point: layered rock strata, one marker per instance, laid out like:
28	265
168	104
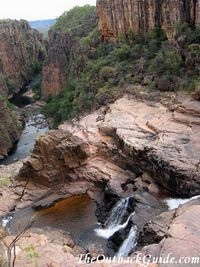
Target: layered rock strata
65	57
21	53
126	149
20	49
142	136
119	17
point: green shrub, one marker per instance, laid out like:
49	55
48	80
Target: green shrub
107	72
35	67
6	102
107	67
10	83
36	87
167	62
122	53
152	85
191	35
136	52
74	18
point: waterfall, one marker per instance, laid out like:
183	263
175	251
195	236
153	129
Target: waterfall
115	222
5	221
117	213
129	244
174	203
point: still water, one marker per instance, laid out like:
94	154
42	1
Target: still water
75	215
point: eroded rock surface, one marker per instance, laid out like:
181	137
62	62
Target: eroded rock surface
111	146
21	52
20	48
134	147
64	56
120	17
178	231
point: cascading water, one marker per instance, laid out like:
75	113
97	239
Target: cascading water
5	221
117	213
115	221
129	244
174	203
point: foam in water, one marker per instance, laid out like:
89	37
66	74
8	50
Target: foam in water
174	203
6	220
117	213
115	221
108	232
128	244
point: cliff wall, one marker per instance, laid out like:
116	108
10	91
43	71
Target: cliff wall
21	48
61	52
10	128
118	17
21	52
65	58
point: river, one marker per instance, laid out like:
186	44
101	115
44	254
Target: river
35	125
75	215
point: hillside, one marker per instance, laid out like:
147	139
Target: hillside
103	70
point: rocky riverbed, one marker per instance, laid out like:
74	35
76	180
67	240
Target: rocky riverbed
133	156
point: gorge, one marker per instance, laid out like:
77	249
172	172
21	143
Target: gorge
21	52
118	175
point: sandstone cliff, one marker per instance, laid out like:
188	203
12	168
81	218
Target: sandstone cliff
65	58
62	51
21	48
119	17
21	53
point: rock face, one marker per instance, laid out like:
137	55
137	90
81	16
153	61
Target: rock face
10	128
118	17
128	148
64	56
175	232
144	135
20	48
58	248
56	67
21	51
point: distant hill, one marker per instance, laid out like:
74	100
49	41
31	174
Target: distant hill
42	26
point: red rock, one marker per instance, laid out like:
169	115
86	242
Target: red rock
149	138
179	231
120	17
15	37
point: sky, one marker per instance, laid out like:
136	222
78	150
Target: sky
38	9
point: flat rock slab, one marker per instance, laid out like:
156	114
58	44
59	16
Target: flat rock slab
165	147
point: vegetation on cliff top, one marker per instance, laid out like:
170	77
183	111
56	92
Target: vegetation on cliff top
73	19
111	69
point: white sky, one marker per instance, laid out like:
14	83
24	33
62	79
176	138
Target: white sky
37	9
